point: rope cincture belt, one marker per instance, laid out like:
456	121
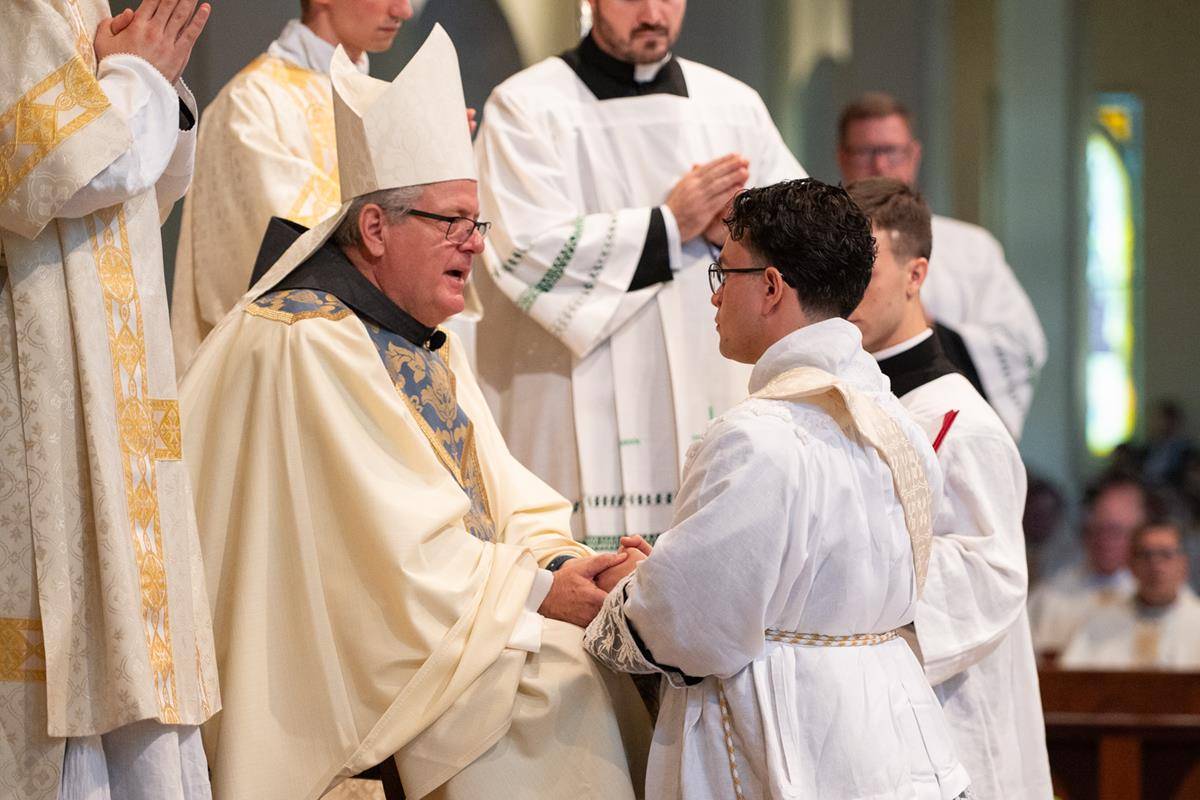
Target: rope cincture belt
799	640
826	640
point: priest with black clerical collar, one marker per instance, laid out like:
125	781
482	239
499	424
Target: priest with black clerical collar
388	580
607	171
971	626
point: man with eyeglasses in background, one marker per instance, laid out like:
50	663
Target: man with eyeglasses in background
982	316
607	171
1158	627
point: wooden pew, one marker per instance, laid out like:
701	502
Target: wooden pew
1123	735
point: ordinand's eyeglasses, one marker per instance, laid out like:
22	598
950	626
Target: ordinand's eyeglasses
458	229
717	273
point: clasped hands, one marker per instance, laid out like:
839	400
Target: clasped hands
581	584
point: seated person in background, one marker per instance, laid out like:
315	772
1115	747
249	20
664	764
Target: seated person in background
799	546
1159	626
1115	507
387	579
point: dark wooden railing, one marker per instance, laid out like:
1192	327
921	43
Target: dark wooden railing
1123	735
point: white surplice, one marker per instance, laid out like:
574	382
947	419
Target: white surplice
1128	635
785	522
600	390
972	289
1059	605
971	621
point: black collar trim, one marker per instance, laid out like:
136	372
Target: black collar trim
917	366
610	78
328	270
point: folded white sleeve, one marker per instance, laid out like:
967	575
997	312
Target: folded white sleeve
150	106
527	635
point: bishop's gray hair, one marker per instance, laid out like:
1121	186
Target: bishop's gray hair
394	202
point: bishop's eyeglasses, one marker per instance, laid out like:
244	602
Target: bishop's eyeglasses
458	229
717	273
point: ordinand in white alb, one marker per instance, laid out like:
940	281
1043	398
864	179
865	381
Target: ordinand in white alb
789	522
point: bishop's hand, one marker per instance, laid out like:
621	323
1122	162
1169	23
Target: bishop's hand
163	32
704	191
574	597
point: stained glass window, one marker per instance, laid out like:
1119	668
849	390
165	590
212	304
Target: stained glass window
1114	204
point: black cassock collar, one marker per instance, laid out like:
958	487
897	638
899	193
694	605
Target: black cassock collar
328	270
609	78
917	366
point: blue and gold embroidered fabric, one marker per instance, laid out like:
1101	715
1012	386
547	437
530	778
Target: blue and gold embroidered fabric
292	305
423	381
427	384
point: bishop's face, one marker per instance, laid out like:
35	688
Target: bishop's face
423	271
637	31
367	25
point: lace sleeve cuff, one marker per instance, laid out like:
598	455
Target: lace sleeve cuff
611	642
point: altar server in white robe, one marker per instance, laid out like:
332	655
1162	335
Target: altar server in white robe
267	150
388	580
1116	506
972	629
986	324
772	605
1158	627
106	651
606	171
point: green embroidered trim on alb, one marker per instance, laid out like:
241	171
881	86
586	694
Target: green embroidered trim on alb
513	260
610	542
555	273
621	500
589	283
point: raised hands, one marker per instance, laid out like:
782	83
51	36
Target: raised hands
163	32
700	197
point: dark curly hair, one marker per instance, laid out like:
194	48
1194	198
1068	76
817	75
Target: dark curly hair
815	235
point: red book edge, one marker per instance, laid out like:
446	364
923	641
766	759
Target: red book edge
947	421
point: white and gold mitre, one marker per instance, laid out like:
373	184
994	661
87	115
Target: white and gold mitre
404	133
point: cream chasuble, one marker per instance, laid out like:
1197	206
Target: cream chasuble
805	513
266	149
598	348
372	547
103	616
